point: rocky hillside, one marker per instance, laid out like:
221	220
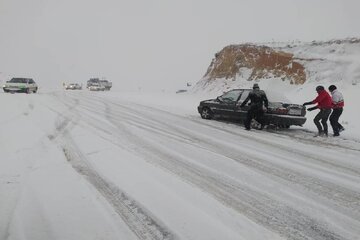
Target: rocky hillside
255	62
294	63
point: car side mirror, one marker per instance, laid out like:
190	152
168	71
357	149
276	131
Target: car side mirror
219	99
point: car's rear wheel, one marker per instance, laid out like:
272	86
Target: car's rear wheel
35	90
206	113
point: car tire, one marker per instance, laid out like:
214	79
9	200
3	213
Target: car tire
35	90
27	91
206	113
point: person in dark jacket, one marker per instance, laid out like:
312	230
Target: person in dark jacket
258	101
337	106
323	101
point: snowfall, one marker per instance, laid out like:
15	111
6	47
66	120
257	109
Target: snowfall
81	165
137	164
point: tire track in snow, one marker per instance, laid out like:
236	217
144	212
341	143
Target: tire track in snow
138	219
341	195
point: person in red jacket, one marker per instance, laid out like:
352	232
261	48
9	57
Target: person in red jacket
324	103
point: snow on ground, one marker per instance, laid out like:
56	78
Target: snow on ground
136	165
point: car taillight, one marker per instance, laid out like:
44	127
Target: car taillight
281	110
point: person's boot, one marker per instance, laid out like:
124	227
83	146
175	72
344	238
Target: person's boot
319	134
325	134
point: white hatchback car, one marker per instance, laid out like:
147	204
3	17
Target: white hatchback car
26	85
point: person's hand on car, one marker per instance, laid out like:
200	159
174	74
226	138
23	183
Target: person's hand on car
307	103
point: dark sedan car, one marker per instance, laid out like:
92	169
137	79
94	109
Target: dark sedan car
228	106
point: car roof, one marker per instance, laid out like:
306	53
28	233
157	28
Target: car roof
239	89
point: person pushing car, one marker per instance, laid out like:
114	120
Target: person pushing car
258	100
337	106
324	103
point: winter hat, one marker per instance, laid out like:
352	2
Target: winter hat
332	88
256	86
319	88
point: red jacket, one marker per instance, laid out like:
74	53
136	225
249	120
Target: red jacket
323	100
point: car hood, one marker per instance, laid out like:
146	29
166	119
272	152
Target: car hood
208	101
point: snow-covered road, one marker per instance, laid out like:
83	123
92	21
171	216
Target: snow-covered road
85	165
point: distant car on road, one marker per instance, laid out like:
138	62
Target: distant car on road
97	81
228	106
73	86
26	85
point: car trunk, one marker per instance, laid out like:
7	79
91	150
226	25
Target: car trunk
286	109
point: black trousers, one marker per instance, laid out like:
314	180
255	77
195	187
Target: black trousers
322	117
254	113
334	120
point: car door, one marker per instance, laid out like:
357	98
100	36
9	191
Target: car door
227	103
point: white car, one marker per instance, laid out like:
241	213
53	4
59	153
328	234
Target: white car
73	86
26	85
96	87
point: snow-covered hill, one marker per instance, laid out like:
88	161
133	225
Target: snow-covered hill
295	63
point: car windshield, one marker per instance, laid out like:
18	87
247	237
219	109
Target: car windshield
232	95
18	80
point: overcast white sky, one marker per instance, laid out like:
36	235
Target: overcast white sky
162	43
